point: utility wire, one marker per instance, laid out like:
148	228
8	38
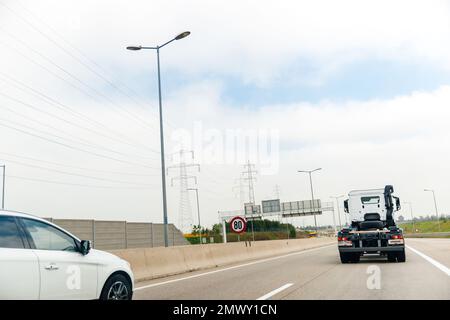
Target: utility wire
32	26
114	104
49	100
78	175
72	147
74	184
78	167
90	61
83	141
212	179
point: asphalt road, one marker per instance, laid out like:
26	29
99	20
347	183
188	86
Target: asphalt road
317	274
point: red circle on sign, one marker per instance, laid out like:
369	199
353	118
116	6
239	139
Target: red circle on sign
238	225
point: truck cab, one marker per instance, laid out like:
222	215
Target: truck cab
372	208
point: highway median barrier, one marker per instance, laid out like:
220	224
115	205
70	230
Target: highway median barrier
428	235
152	263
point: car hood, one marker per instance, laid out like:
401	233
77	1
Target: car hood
103	256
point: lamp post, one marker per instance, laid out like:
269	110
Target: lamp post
312	193
339	210
198	214
161	131
435	207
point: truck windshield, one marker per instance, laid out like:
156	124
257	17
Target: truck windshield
370	200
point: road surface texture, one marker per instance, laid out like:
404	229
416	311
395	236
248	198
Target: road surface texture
316	274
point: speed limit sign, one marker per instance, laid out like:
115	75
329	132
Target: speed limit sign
238	224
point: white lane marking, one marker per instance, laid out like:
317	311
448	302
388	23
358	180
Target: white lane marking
274	292
438	265
231	268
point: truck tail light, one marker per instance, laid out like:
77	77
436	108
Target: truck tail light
396	239
344	241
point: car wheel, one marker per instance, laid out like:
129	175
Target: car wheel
117	287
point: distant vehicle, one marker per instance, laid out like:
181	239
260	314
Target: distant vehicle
39	260
373	229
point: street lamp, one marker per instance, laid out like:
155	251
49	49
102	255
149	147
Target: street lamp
312	192
198	214
339	210
161	131
435	207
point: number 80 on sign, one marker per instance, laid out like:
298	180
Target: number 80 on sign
238	225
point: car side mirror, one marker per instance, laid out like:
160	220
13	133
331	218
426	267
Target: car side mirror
85	247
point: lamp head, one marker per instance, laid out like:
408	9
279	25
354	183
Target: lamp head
134	48
182	35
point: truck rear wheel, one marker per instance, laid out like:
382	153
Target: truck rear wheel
355	257
391	257
345	257
401	257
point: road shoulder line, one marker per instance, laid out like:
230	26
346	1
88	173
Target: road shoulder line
274	292
233	267
438	265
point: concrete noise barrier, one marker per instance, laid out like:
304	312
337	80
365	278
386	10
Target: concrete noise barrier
152	263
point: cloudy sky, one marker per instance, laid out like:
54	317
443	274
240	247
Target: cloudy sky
359	88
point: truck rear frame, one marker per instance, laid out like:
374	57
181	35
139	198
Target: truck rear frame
388	242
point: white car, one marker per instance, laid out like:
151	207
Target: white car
39	260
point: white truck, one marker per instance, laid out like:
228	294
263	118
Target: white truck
373	229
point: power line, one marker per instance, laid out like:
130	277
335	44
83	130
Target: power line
211	178
80	168
89	60
76	174
53	73
36	29
213	192
74	184
83	141
63	107
50	134
98	93
72	147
